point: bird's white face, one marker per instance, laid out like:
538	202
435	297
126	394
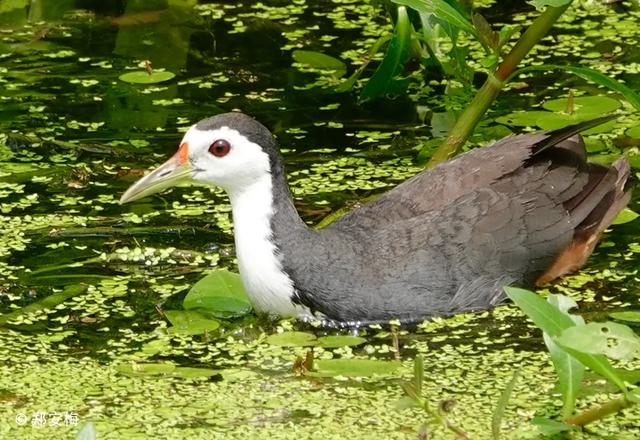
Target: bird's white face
221	157
225	158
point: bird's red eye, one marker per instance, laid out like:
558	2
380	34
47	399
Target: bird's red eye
220	148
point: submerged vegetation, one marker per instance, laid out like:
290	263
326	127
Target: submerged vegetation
129	323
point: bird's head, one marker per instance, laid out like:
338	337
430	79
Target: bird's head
230	150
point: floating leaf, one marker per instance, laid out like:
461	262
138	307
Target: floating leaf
353	367
611	339
541	4
143	77
292	339
629	316
633	132
625	216
340	341
522	119
384	80
320	60
220	293
442	10
593	105
191	373
551	427
150	369
189	322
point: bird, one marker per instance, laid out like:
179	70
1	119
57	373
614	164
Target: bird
523	211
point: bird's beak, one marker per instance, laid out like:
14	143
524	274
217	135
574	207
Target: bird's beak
172	172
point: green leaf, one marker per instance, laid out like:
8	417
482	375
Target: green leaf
150	369
551	427
522	119
353	367
629	316
143	77
189	322
592	105
340	341
634	132
192	373
553	322
487	36
292	339
442	10
498	413
418	374
570	372
348	84
553	121
220	293
320	60
87	432
625	216
590	75
48	302
384	80
611	339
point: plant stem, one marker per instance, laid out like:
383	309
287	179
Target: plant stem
493	85
599	412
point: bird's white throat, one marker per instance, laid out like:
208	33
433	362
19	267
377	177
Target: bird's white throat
270	288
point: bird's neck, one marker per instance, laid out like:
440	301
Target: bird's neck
257	207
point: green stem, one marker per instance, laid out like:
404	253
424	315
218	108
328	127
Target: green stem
599	412
493	85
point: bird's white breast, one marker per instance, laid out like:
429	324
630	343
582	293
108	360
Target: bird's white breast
270	288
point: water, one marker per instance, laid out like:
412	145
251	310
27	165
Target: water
77	137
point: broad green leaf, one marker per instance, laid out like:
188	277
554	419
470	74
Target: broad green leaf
292	339
320	60
353	367
625	216
629	316
442	10
611	339
553	121
498	412
570	372
221	293
87	432
590	75
553	322
522	119
633	132
541	4
340	341
136	369
143	77
385	79
592	105
190	372
189	322
551	427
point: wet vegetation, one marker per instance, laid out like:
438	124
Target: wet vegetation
128	322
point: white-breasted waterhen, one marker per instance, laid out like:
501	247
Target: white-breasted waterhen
522	211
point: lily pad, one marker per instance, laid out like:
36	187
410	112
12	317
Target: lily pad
189	322
614	340
144	77
634	132
353	367
522	119
151	369
629	316
595	105
340	341
292	339
553	121
220	293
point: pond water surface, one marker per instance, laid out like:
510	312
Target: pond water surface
73	137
